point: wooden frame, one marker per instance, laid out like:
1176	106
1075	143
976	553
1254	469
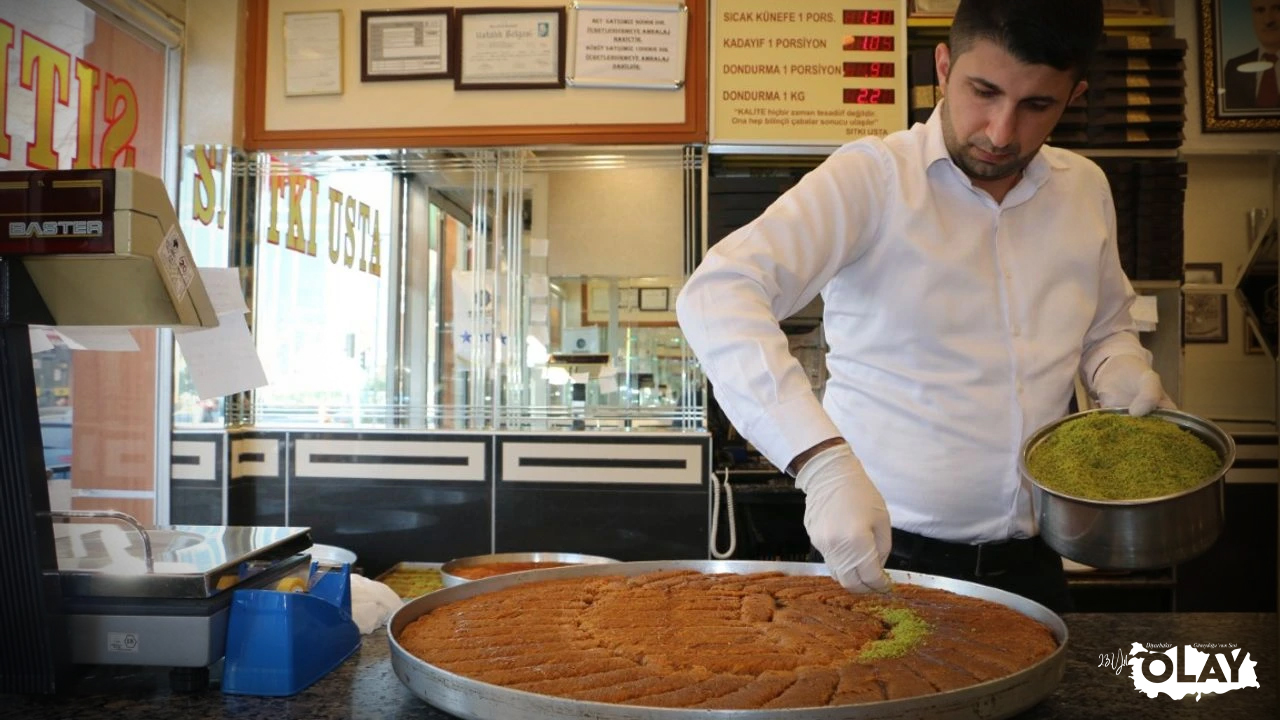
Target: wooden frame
484	65
438	19
1231	70
1204	315
692	128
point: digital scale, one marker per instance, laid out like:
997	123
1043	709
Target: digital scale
103	248
161	596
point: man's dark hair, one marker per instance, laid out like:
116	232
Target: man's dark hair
1062	34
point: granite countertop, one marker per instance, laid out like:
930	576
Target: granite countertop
365	687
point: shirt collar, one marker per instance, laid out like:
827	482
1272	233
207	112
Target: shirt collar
935	150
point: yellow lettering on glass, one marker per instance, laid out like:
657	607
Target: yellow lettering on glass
335	203
375	253
349	248
365	232
276	186
87	78
46	70
121	113
297	183
204	196
315	200
6	44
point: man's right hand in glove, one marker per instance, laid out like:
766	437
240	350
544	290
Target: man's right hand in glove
846	518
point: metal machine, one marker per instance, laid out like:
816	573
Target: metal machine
103	247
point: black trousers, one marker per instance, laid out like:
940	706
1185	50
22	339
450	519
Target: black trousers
1025	567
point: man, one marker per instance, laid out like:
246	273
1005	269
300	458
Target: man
969	274
1250	80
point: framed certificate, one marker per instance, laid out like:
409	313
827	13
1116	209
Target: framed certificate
510	48
405	44
630	45
313	53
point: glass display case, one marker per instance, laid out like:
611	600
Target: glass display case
479	289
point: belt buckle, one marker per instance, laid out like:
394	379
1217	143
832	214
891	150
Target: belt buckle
978	569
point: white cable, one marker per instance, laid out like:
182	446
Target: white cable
715	517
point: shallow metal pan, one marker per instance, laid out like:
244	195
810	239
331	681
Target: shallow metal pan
475	700
448	570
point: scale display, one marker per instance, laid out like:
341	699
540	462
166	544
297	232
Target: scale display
819	72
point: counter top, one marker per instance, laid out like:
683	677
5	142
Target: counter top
365	687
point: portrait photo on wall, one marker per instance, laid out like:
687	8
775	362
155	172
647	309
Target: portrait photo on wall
1240	45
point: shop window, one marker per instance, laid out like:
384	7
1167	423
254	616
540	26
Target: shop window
471	289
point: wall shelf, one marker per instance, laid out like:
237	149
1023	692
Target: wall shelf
1152	285
1116	23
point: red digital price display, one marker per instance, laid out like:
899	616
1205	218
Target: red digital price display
868	42
868	96
868	17
868	69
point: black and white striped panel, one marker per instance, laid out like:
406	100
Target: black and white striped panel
194	460
612	463
255	457
390	459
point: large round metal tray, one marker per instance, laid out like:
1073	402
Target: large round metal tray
475	700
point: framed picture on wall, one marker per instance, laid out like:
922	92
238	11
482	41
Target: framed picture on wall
405	44
1240	42
510	48
1204	317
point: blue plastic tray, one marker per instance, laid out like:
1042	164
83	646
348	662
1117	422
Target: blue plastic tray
279	643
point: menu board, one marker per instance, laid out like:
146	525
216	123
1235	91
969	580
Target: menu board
824	73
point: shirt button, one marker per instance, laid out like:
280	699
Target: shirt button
1019	388
1017	331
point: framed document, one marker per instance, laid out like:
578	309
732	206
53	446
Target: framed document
655	299
405	44
313	53
510	48
636	45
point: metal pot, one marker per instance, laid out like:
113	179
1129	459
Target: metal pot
450	579
1141	534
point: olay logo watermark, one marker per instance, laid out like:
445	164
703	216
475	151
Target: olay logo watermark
1181	670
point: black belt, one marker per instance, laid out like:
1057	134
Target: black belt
980	560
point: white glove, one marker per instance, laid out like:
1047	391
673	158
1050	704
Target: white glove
1128	381
846	518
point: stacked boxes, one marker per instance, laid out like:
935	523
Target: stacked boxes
1136	97
1149	197
923	79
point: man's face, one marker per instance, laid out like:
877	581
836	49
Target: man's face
1266	23
998	111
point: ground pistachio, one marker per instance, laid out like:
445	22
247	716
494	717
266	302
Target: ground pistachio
906	630
1111	456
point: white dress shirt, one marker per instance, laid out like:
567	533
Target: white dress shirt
956	325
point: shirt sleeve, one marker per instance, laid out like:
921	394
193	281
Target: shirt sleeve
731	306
1113	331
